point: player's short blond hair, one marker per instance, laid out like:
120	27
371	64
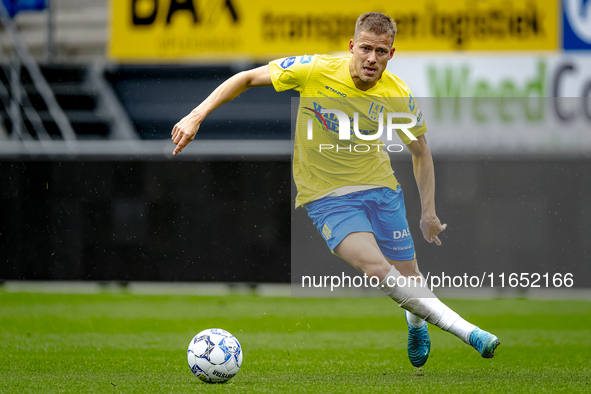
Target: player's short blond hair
376	23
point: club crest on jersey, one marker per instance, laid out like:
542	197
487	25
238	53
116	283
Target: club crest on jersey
288	61
326	231
411	102
374	111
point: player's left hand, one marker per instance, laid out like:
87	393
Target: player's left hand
431	227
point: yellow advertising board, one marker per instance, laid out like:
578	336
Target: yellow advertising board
176	30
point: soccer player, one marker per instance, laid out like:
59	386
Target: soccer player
351	195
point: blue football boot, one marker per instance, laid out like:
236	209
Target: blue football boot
484	342
419	344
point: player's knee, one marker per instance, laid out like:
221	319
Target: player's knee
379	271
372	267
407	268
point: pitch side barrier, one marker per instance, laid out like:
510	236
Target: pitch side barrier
146	150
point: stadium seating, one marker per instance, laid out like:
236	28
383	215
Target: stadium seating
79	31
82	94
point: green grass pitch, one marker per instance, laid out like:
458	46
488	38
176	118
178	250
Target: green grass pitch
111	343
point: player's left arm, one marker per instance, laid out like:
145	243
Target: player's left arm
425	177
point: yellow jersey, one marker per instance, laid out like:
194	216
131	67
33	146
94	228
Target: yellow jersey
324	159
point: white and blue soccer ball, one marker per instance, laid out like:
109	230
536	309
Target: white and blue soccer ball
214	355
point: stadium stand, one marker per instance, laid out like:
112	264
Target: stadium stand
79	31
48	101
88	95
156	97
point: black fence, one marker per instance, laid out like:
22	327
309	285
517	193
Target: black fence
189	221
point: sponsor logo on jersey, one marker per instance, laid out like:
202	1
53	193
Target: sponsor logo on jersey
305	59
576	24
331	122
335	91
326	231
419	117
288	61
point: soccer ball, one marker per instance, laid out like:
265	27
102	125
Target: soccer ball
214	355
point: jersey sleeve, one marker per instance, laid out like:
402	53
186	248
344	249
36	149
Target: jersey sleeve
420	128
291	72
411	106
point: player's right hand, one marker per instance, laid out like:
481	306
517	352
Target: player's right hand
184	131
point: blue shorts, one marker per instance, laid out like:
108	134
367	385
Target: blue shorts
379	211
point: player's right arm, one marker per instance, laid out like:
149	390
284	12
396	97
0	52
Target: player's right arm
186	129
